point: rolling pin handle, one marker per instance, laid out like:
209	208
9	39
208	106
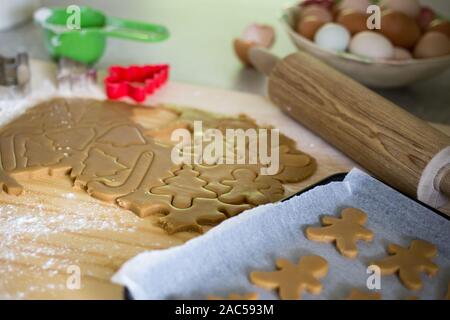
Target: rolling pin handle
263	60
442	181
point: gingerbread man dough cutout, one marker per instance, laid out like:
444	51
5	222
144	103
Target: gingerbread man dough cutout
235	296
291	280
356	294
345	231
246	188
410	262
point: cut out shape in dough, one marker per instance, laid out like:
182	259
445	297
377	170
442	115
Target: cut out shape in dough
291	280
235	296
100	164
202	212
183	187
121	154
245	188
410	262
295	166
356	294
123	136
77	138
345	231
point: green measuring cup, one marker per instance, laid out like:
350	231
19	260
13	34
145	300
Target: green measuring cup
87	43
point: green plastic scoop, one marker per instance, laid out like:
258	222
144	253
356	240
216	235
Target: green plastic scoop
87	43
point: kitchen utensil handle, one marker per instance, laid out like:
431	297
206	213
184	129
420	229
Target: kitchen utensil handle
263	60
135	30
442	181
383	138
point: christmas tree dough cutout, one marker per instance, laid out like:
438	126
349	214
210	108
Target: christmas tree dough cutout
184	186
410	262
356	294
345	231
235	296
291	280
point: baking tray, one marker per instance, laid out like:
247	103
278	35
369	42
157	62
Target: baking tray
339	177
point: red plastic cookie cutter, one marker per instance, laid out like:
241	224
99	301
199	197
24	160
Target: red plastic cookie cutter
135	82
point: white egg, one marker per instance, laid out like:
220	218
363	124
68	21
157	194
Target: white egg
371	44
401	54
332	36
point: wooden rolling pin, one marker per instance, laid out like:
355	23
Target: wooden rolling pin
397	147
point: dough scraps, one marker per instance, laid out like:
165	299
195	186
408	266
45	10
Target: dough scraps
410	262
345	231
121	154
291	280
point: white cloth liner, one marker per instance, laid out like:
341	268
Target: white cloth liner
219	262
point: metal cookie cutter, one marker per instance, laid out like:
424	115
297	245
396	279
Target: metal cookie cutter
73	75
15	76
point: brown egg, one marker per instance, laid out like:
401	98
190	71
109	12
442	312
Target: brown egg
440	26
353	20
318	11
402	30
308	26
254	35
262	34
409	7
335	10
433	44
242	48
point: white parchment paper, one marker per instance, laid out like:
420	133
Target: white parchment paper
220	261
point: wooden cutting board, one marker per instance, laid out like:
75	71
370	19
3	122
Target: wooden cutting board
52	231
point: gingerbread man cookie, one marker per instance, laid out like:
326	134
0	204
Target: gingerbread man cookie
410	262
235	296
291	280
345	231
356	294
